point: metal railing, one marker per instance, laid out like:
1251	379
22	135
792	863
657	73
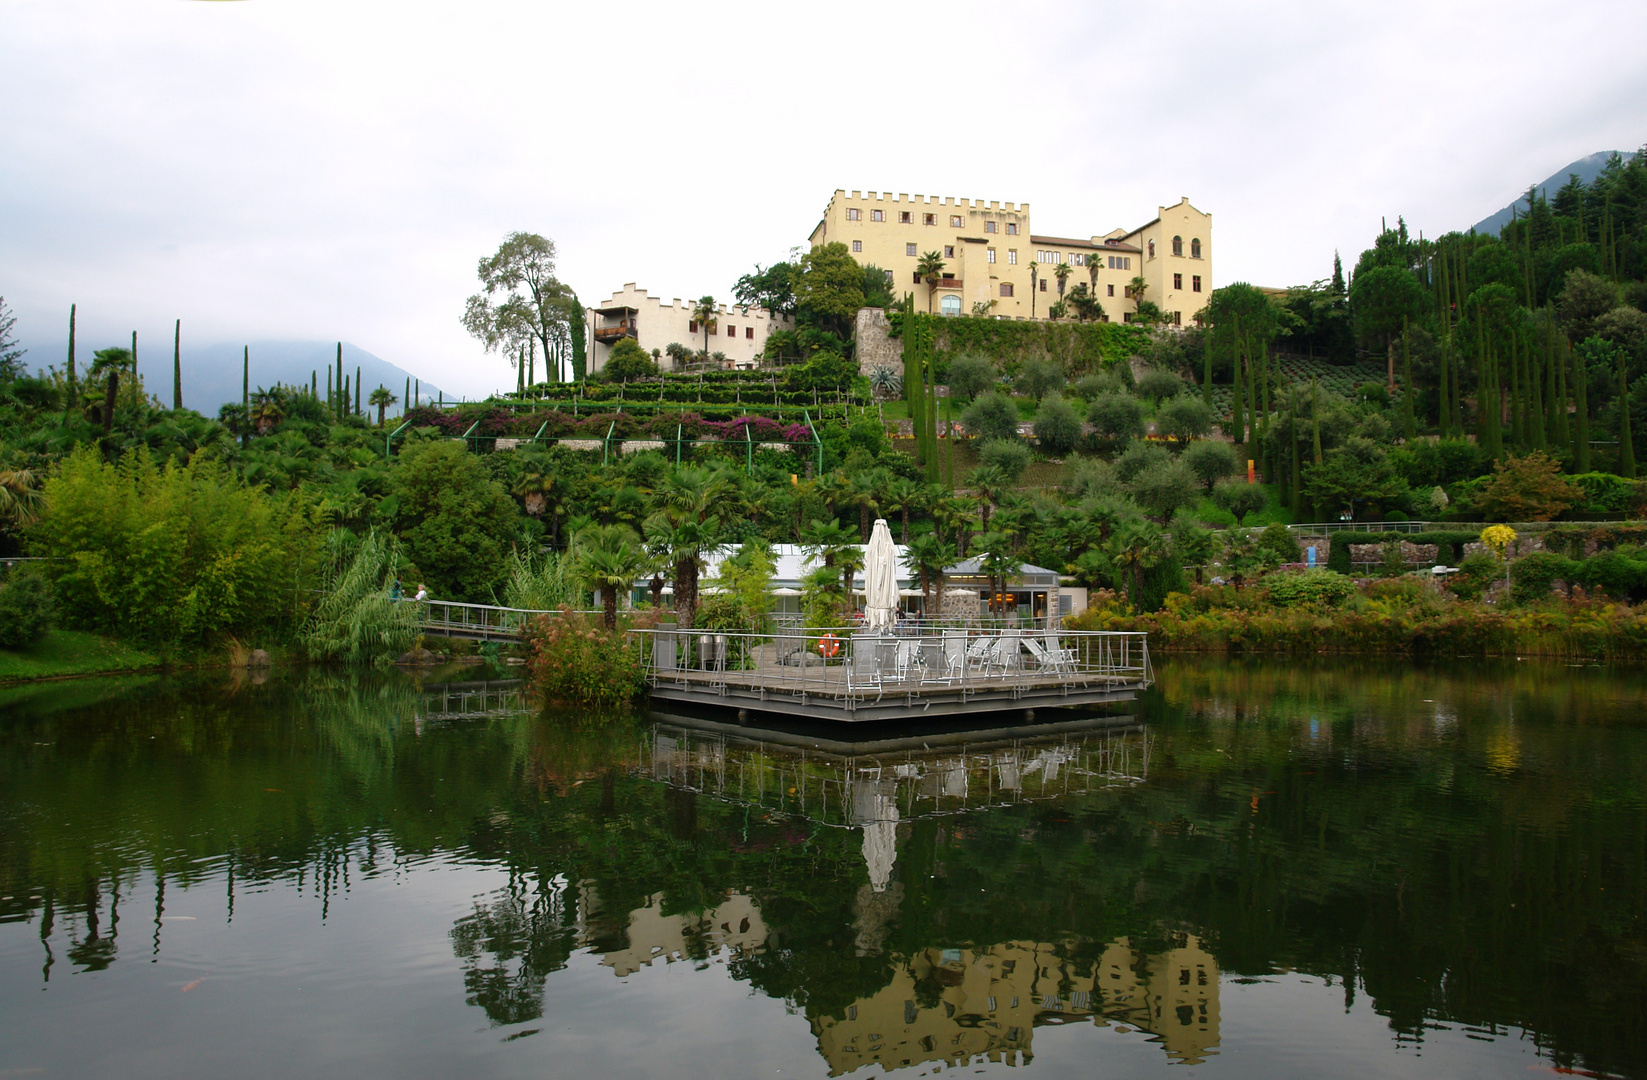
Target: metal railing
481	621
850	665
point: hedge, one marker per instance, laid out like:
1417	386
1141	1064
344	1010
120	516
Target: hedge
1077	347
1452	541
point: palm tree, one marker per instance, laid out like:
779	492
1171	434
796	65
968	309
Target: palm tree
836	546
930	267
866	494
382	398
996	558
1140	546
1093	262
704	312
927	557
904	495
609	559
988	481
268	410
20	498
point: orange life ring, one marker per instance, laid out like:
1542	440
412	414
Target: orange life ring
829	645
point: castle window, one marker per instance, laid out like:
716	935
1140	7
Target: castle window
989	226
1178	281
989	255
929	219
909	249
692	327
950	305
1043	284
877	215
1152	249
854	214
731	331
1195	248
949	251
1012	228
955	221
749	333
857	246
1006	288
1195	283
905	217
1012	256
1112	290
1178	245
888	274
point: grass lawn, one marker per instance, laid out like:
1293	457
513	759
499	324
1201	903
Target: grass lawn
72	652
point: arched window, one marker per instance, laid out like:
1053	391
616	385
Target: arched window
1178	245
950	305
1195	248
1152	249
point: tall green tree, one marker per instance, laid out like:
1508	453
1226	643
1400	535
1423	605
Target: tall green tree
522	299
930	267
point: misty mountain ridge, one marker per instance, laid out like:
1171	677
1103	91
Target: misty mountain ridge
1586	168
211	373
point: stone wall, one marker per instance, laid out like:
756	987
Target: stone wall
875	345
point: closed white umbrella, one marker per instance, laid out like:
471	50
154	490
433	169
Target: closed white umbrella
786	591
880	579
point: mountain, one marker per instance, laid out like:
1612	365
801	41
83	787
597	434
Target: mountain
1587	168
211	373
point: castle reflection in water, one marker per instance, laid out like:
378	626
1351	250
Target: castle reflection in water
950	1005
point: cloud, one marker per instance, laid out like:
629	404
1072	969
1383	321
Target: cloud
319	170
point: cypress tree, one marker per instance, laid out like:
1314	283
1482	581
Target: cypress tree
1518	417
417	392
1292	442
1535	409
932	468
1581	412
71	350
1559	433
1206	368
580	357
246	380
1315	416
406	396
1407	383
177	365
1237	412
344	398
1626	449
134	367
357	392
314	387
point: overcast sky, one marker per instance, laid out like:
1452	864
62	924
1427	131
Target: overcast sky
304	169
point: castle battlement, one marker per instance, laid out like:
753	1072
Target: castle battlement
934	201
633	296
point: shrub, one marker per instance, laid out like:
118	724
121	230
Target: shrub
1279	545
1011	456
1138	456
1091	387
1184	417
1037	378
1532	577
25	609
1165	486
992	416
1475	573
570	661
183	553
1116	416
1529	488
1211	460
1241	498
970	375
1057	426
626	361
1308	588
1373	394
1156	384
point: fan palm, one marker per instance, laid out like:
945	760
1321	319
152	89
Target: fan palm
609	559
930	267
20	498
927	557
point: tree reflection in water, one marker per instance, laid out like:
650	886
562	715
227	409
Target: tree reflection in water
1460	847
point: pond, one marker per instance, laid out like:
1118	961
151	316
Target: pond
1276	869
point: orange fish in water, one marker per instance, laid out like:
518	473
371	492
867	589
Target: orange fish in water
191	986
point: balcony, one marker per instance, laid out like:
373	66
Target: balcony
609	334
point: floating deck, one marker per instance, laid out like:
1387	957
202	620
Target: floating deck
856	677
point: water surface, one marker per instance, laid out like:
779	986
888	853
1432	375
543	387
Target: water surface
1278	870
